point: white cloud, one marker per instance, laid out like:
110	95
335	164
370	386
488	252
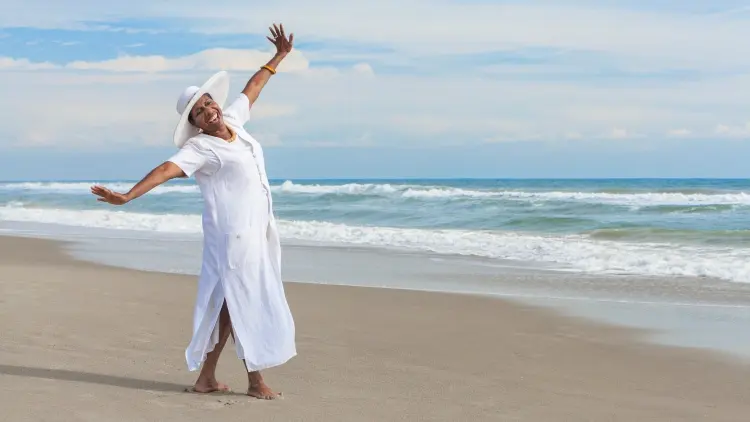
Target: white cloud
723	129
212	59
9	63
733	132
619	133
363	68
679	133
464	128
572	135
649	37
262	111
66	43
562	93
104	110
338	107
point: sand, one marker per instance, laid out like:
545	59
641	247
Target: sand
84	342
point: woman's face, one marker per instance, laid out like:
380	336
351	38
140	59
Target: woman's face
206	114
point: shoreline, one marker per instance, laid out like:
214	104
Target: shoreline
686	311
107	343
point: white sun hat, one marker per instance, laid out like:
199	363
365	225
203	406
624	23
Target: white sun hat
217	86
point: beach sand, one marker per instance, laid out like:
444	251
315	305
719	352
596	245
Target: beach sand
84	342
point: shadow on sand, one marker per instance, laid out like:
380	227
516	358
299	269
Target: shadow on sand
76	376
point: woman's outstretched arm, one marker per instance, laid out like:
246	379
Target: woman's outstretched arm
154	178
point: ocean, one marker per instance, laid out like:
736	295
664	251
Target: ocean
666	256
647	227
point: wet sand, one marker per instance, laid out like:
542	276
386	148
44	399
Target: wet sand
86	342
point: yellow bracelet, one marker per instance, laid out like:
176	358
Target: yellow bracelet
270	69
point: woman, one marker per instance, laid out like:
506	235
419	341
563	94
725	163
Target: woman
240	291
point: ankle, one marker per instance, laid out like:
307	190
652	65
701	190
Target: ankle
203	378
255	379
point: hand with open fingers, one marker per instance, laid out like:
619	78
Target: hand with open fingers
283	45
108	196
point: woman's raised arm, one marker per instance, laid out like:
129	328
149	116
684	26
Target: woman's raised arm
284	46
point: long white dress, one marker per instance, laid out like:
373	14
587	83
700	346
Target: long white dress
241	248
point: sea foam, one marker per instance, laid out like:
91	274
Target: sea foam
579	252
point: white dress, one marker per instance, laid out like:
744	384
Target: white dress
241	248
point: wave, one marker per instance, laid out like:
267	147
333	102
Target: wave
85	188
345	189
581	252
106	219
637	200
660	234
381	189
689	209
640	199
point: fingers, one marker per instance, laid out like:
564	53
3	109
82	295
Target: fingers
279	38
106	195
98	190
278	32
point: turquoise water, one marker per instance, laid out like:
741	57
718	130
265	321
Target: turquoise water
651	227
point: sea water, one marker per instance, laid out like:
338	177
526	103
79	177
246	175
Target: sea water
666	255
644	227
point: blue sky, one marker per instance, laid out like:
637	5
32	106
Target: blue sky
388	88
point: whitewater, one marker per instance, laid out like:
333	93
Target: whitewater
645	227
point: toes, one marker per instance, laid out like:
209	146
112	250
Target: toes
203	389
263	395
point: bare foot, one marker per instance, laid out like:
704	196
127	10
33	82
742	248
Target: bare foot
209	387
262	391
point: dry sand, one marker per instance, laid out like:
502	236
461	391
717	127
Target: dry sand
82	342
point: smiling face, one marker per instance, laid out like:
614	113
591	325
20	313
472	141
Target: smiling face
206	115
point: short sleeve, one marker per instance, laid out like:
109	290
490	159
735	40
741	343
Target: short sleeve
191	158
238	110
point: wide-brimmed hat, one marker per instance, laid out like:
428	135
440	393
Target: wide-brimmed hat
217	86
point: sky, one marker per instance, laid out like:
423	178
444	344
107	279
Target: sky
441	88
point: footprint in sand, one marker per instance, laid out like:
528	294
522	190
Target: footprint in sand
203	402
